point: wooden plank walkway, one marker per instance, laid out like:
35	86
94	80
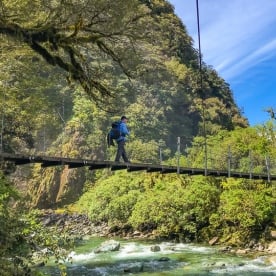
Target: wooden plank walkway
47	161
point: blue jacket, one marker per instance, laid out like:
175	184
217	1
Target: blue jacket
124	132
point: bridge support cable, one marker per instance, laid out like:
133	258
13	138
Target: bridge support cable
203	96
2	124
250	164
267	163
178	155
2	133
229	158
160	145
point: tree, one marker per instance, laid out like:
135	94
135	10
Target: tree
271	112
72	34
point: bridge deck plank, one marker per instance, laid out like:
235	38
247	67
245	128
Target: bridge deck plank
47	161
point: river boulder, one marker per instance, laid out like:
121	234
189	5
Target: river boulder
272	260
273	234
213	241
107	246
155	248
272	247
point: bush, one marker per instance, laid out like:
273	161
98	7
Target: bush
111	199
172	204
177	205
244	211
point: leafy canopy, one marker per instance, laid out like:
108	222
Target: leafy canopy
71	33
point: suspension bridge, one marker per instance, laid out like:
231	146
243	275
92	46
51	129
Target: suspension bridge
47	161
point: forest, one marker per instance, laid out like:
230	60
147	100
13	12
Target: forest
68	70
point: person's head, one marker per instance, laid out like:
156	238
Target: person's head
124	119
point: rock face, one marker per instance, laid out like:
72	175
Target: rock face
57	186
70	185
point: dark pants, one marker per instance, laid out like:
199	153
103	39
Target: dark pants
121	151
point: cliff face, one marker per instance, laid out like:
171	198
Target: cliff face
57	186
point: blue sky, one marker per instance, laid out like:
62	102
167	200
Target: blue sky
238	39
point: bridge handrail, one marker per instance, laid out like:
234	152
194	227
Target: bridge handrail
46	161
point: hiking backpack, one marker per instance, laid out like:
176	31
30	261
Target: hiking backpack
114	133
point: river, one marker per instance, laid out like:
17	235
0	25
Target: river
136	258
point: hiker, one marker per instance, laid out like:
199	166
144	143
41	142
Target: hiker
121	141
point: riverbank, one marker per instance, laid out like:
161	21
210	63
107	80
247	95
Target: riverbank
79	227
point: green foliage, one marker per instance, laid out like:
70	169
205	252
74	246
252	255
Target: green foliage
24	240
45	110
33	103
197	207
169	204
244	210
142	152
152	45
194	208
175	207
70	35
101	204
8	236
245	148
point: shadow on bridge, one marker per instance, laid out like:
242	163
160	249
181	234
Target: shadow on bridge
45	162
